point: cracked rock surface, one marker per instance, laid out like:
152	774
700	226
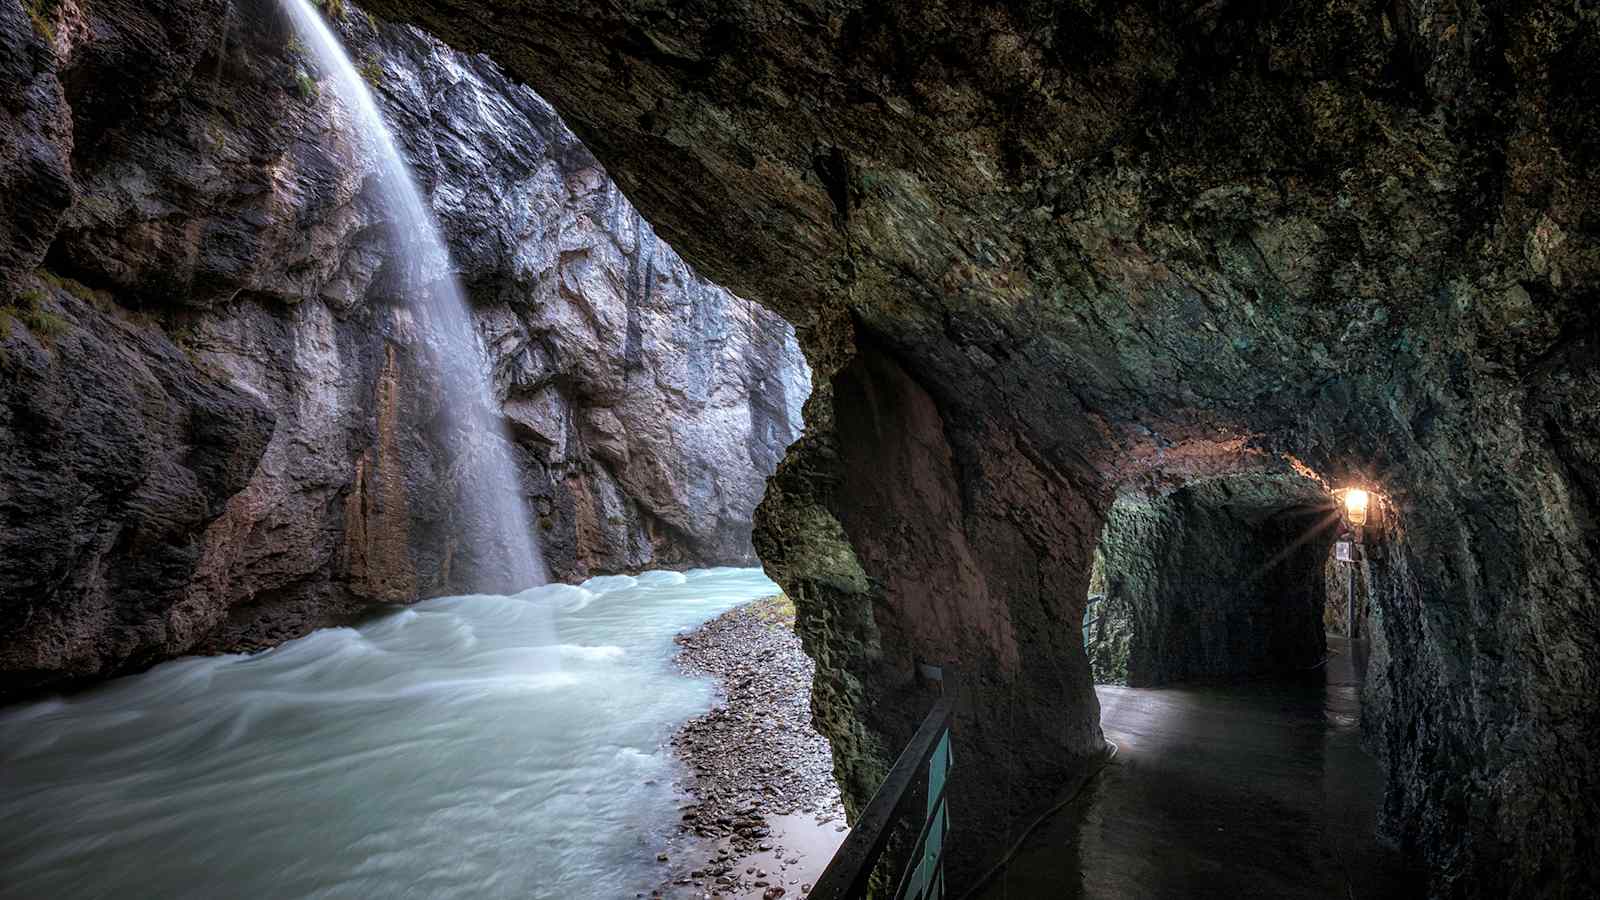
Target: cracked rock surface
1042	253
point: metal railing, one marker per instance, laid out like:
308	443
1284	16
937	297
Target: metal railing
1090	622
928	756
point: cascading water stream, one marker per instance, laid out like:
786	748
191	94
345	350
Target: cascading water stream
492	516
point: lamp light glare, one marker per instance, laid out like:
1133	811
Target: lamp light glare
1355	506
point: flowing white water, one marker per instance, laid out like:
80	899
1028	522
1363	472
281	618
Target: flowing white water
430	753
493	515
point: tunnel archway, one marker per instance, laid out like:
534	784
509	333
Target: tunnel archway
1220	579
908	535
1246	757
1275	243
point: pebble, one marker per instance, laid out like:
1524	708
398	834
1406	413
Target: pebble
755	754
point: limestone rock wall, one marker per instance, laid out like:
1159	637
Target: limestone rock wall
651	404
1125	246
218	422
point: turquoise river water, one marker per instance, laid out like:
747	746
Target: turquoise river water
476	746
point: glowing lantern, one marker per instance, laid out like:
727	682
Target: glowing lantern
1355	506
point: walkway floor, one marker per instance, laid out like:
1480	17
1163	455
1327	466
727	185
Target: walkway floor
1239	792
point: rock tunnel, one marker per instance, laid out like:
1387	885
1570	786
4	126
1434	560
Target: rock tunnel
1154	278
1041	256
1223	579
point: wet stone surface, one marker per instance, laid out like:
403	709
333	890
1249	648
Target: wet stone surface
764	813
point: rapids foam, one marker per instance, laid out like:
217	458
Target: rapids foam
454	748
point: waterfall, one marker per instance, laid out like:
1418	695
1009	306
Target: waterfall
490	514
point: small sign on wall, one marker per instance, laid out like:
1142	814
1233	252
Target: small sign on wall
1344	551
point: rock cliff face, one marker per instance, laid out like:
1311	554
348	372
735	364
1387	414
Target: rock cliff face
218	424
1040	253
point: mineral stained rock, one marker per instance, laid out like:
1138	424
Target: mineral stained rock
1040	253
218	423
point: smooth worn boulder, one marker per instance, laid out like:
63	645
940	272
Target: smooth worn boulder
1087	248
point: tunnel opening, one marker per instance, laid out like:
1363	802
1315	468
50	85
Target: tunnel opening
1222	579
1218	578
1217	630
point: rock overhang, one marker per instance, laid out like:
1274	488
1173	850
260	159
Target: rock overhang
1113	245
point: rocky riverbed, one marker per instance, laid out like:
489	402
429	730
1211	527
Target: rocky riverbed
764	813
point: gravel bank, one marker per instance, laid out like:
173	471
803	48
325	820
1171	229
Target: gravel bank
765	814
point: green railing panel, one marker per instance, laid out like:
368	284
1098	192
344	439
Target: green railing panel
925	763
924	879
938	771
